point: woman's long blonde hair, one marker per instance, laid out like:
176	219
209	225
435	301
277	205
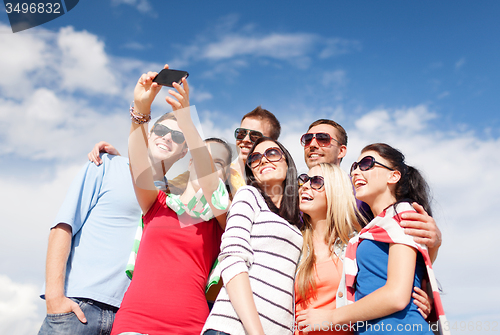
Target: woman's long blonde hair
344	218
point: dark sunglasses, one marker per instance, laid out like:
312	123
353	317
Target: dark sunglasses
316	182
323	139
272	154
161	130
241	133
366	163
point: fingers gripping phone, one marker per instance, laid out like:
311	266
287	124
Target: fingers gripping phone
167	77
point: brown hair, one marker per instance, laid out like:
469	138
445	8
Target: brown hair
412	185
341	131
262	114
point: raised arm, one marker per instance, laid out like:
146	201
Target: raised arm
394	296
140	166
208	178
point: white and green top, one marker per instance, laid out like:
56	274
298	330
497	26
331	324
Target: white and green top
197	207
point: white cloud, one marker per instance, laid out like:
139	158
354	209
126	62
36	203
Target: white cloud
51	127
32	202
18	308
334	82
225	42
65	61
198	95
336	78
142	6
443	95
339	46
376	121
414	118
41	117
21	55
85	64
280	46
436	65
460	63
136	46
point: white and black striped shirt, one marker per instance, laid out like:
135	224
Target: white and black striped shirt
266	246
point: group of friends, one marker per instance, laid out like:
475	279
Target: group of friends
316	253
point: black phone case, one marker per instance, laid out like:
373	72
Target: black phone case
167	77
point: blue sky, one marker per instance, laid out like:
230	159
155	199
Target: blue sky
422	76
442	53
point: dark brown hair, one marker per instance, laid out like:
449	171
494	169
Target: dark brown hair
262	114
412	186
341	131
289	207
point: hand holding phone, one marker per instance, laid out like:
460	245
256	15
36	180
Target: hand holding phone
167	77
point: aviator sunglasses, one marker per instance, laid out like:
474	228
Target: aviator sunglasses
323	139
366	163
316	182
272	154
161	130
241	133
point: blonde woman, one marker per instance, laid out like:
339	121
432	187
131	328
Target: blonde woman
330	219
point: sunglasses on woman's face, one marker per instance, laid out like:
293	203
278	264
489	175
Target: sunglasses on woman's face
161	130
366	163
323	139
241	133
272	155
316	182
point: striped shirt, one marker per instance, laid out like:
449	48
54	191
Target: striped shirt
266	246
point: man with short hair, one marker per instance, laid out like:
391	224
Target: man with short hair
326	142
92	237
257	123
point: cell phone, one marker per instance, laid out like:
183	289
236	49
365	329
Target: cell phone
167	77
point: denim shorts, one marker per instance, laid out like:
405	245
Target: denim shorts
99	317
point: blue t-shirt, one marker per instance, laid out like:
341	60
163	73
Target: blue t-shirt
103	212
372	258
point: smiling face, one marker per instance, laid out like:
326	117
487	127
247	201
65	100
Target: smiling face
332	153
245	145
267	173
163	148
313	202
375	186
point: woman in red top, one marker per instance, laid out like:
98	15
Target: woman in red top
182	234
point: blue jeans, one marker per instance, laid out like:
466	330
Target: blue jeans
99	317
214	332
